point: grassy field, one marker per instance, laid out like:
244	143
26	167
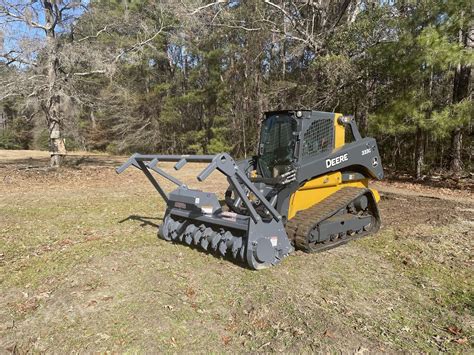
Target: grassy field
81	269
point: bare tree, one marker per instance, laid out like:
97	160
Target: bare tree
52	53
311	22
36	46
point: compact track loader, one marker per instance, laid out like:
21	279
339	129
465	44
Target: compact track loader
307	188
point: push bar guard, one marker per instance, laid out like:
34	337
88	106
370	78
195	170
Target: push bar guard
197	218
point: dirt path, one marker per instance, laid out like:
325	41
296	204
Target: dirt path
81	269
408	189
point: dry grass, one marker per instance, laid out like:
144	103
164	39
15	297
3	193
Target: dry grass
8	155
82	269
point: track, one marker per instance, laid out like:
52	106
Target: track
299	227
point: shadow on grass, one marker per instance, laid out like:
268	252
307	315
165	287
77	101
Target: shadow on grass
146	221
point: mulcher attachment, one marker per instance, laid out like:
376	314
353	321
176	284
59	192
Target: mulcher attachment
196	218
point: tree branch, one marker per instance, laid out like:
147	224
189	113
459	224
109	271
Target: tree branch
11	58
138	45
92	72
22	18
208	5
239	27
308	39
95	36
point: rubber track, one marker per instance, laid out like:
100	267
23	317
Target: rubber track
299	227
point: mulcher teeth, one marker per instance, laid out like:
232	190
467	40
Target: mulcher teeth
226	243
215	239
198	234
220	241
188	233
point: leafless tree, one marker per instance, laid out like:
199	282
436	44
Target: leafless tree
34	30
50	53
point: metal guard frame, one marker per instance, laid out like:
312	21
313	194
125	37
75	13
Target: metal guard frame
223	162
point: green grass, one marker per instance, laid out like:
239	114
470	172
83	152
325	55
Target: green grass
74	278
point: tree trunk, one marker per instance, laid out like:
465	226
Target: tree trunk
455	164
283	47
460	92
93	120
52	103
419	153
363	121
56	141
57	146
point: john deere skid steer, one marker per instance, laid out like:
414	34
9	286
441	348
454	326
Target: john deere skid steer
307	188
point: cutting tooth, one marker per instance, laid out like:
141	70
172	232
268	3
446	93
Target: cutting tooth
179	230
188	234
236	245
225	243
205	235
222	248
173	228
204	243
215	239
165	230
242	253
198	234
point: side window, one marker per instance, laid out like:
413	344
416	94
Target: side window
318	138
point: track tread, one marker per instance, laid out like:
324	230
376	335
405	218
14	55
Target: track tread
299	227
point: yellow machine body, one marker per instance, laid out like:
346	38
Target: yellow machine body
321	187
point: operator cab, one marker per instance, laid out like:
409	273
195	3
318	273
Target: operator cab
278	140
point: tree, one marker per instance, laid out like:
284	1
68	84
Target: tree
46	81
56	54
196	76
462	78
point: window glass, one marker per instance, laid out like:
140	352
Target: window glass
277	144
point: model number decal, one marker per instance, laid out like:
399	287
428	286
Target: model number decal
336	160
366	151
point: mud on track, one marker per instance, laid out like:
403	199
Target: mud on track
81	269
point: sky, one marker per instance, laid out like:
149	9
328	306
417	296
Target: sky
17	35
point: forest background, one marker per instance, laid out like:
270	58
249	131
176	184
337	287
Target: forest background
196	76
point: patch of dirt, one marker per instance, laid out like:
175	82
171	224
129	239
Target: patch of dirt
405	210
411	189
85	171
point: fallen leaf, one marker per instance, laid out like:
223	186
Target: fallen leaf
65	242
297	331
226	339
29	305
173	342
190	292
454	330
328	334
361	350
406	329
